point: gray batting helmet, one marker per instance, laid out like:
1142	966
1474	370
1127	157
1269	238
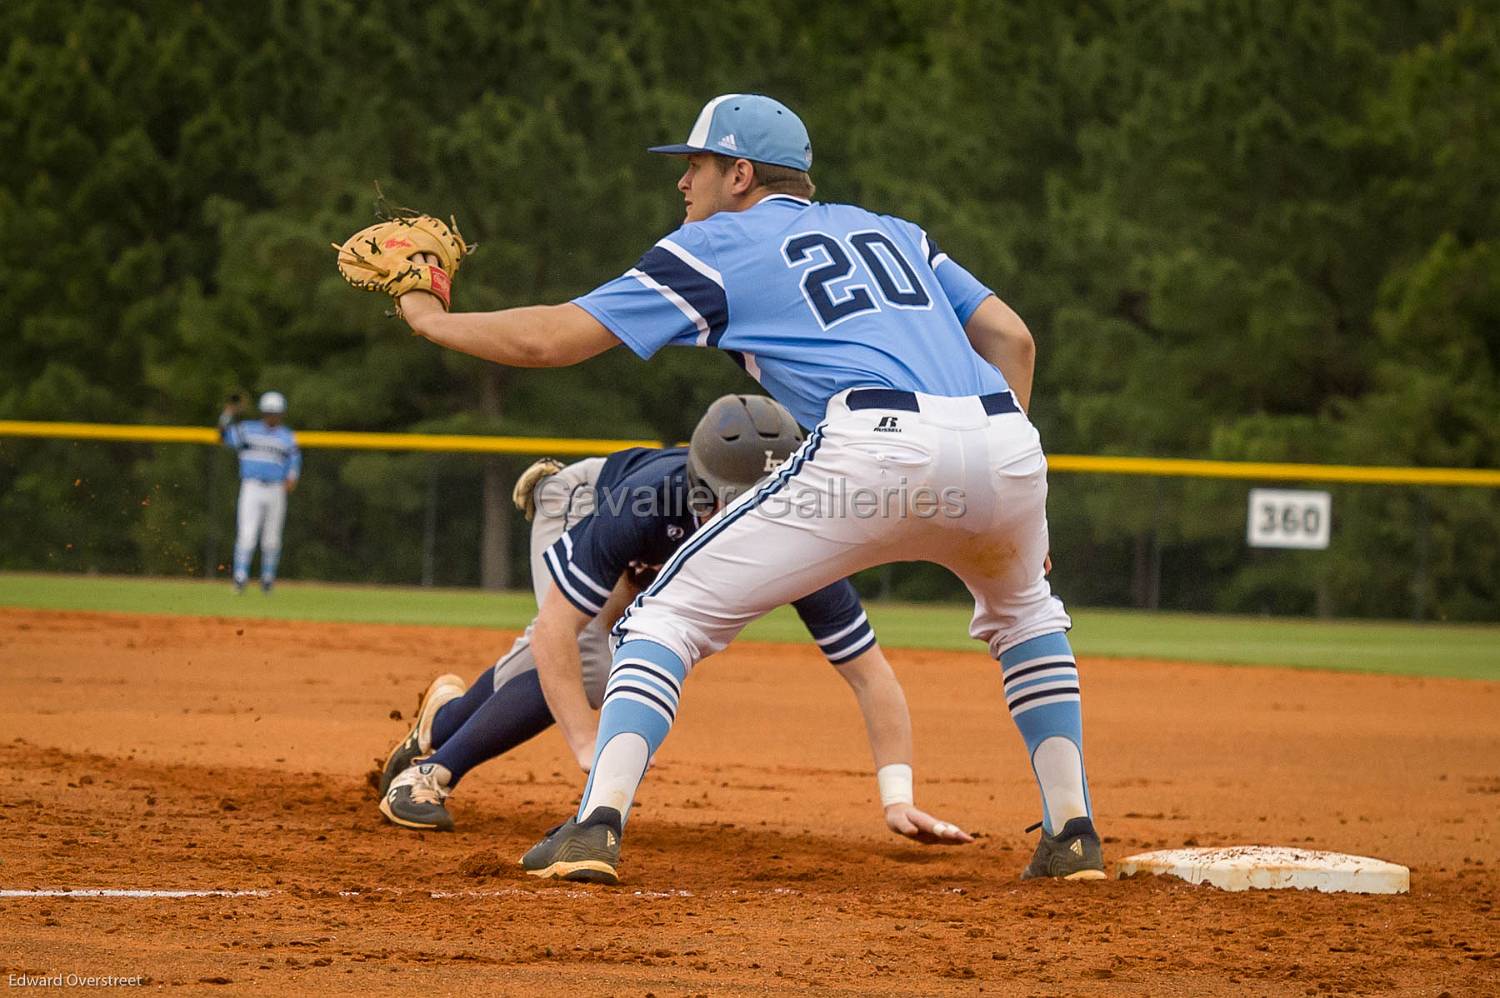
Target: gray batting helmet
740	440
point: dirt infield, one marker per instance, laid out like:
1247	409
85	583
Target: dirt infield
193	754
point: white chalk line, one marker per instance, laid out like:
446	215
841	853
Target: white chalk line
111	893
121	892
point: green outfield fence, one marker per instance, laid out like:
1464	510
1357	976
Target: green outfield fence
406	507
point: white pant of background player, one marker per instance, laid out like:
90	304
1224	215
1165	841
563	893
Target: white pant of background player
260	516
949	484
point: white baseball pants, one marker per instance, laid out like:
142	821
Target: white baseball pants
948	483
260	516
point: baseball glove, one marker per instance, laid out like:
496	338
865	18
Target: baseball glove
524	495
379	258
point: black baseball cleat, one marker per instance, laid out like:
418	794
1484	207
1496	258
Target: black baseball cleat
1072	854
586	851
418	741
415	799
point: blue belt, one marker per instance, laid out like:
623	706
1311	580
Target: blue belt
995	404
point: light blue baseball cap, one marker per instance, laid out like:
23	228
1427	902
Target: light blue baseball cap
748	126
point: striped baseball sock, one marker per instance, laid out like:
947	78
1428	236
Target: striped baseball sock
1041	690
640	704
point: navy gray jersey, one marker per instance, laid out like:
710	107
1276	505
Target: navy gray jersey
642	515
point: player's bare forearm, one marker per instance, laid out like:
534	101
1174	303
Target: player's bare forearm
888	723
559	670
883	704
999	335
533	336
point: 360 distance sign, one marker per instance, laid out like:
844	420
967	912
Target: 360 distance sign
1289	518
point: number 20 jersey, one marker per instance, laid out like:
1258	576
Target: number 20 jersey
810	299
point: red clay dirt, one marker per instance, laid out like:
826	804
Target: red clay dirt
183	753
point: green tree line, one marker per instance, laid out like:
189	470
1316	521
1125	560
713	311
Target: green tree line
1244	230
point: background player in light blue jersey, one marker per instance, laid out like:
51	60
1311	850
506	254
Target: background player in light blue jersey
270	464
600	530
916	377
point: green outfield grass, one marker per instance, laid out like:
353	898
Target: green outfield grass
1471	652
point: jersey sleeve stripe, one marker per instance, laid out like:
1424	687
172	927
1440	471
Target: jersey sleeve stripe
682	306
694	293
852	650
691	261
577	573
843	632
838	648
930	250
566	556
570	593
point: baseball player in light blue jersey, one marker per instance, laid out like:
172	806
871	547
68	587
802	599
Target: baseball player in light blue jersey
270	464
915	377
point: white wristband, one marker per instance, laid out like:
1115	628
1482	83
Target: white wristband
895	784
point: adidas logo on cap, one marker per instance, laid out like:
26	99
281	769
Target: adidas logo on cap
728	142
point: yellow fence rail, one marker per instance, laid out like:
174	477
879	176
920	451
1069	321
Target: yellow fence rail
571	447
447	443
1274	471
